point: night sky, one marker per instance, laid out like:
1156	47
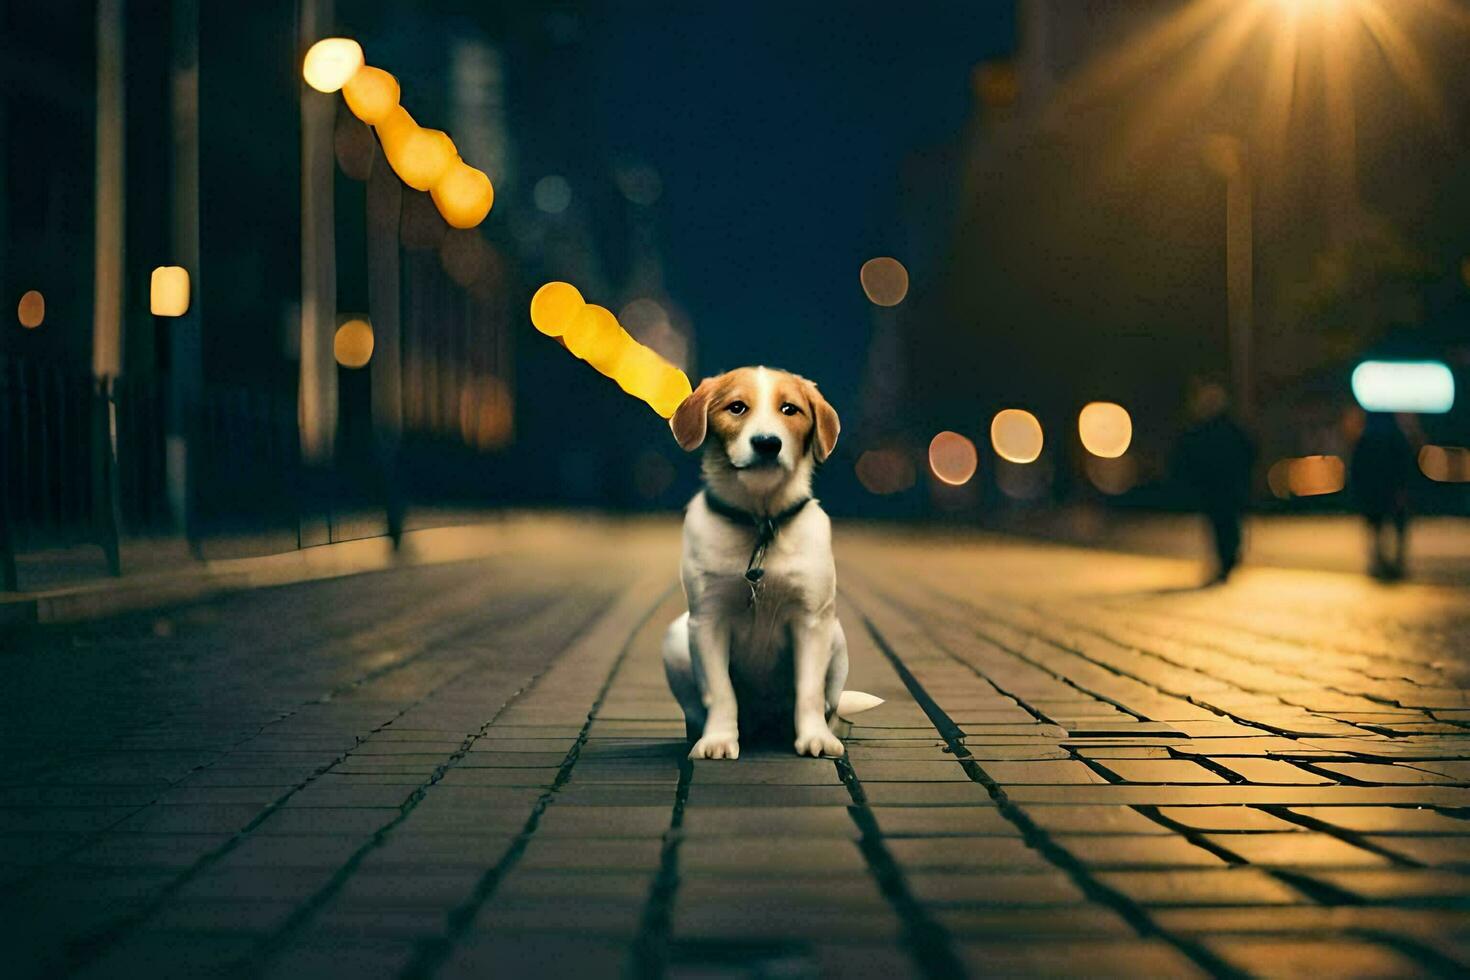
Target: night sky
779	131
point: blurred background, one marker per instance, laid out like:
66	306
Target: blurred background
229	329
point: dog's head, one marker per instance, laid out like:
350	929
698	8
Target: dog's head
763	423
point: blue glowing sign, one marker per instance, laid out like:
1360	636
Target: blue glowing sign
1426	387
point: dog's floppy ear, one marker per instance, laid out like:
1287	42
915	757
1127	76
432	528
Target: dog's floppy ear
827	424
691	418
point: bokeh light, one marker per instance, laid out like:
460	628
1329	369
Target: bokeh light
885	471
1445	464
421	157
555	306
1016	436
669	390
463	195
597	338
1112	475
552	194
952	458
885	280
331	62
1313	476
168	291
31	310
1404	386
371	94
1106	429
353	344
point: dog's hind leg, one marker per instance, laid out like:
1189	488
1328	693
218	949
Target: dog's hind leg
680	669
836	668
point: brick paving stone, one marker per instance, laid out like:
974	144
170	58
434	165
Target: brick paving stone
1123	957
1097	819
1173	771
1339	957
980	853
1137	851
1368	772
947	821
1237	819
1400	885
1232	886
996	889
1271	771
1298	850
1386	819
738	855
1043	773
766	822
1433	852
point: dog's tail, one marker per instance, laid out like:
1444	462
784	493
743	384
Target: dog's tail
851	703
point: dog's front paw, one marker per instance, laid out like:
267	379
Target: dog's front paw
818	741
716	746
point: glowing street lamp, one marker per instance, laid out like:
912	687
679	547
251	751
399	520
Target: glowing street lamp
1427	387
168	293
331	62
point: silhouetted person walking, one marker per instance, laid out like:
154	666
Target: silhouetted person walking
1382	468
1214	458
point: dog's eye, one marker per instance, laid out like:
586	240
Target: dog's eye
736	408
789	409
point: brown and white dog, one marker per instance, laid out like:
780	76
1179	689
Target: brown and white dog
760	649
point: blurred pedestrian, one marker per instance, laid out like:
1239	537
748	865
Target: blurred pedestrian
1382	468
1214	457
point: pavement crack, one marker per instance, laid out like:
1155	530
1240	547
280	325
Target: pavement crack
1034	836
929	942
650	955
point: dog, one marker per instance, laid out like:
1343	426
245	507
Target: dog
760	651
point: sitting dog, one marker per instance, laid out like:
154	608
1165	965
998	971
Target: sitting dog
760	650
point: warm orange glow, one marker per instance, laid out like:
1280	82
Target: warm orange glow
353	344
555	306
1016	436
421	156
1312	476
885	471
463	195
952	458
1105	428
885	281
1112	475
597	338
168	293
642	371
669	392
371	94
331	62
1445	464
31	311
486	413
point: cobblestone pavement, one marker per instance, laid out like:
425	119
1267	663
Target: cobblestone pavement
1083	768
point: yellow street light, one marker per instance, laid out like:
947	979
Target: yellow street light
168	293
463	195
353	344
371	94
31	310
331	62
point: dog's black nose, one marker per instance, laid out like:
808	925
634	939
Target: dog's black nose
766	446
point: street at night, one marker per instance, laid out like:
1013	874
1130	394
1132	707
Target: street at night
1084	765
626	489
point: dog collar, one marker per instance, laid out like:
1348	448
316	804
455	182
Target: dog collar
765	526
